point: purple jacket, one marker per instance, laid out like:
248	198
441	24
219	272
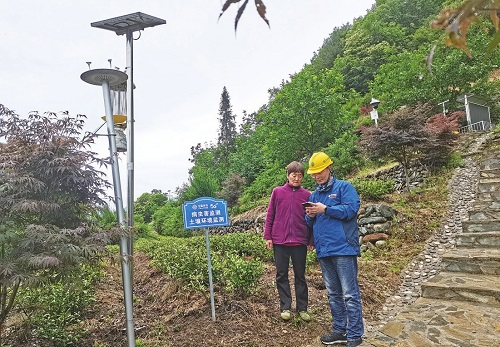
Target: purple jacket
285	221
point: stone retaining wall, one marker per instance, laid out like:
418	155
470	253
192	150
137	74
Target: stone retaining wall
417	172
374	221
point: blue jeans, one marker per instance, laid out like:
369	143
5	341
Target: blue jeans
340	274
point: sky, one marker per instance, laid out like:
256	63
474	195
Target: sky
179	68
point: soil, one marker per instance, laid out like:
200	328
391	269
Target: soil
167	315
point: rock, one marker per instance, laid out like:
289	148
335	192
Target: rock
375	237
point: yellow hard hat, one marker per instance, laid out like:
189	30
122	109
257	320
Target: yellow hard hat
318	162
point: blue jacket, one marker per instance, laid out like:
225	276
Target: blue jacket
285	223
336	230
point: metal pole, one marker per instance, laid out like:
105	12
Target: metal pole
212	302
127	286
467	110
130	145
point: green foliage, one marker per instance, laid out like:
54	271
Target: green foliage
235	274
369	44
232	188
379	36
333	47
168	221
404	80
206	175
203	183
311	258
371	188
148	203
408	134
249	159
56	309
105	217
410	15
227	126
263	185
344	154
142	229
49	188
403	72
184	259
243	245
304	115
236	260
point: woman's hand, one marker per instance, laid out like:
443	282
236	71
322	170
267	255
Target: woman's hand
269	244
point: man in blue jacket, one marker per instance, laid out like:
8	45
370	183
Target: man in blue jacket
333	217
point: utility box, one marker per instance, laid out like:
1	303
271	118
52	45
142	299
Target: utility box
477	111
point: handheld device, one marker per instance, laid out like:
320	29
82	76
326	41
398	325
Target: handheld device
306	204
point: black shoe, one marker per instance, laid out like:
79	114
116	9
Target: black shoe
354	343
334	338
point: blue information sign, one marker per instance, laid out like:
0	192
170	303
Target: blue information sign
205	212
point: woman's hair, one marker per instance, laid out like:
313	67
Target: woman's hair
295	166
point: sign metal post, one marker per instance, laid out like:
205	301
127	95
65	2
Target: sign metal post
206	212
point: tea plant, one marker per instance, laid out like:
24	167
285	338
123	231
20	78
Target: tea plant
56	309
236	260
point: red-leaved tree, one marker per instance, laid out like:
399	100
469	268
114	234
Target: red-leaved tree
410	133
49	187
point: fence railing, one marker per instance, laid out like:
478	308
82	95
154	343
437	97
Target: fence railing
479	126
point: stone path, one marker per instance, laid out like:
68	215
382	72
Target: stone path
442	317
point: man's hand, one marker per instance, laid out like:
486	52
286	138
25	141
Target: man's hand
317	207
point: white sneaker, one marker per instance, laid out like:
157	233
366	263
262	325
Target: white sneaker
286	314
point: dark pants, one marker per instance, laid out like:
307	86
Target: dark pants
282	255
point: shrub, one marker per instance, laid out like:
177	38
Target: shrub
236	274
148	203
56	309
184	259
236	260
263	185
344	154
371	188
455	160
232	188
168	221
311	258
243	245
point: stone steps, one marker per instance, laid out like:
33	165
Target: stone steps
460	305
479	239
472	260
489	173
489	184
487	196
485	225
438	323
484	212
490	163
463	286
490	206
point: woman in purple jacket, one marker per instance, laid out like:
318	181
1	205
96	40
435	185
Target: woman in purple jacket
288	234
